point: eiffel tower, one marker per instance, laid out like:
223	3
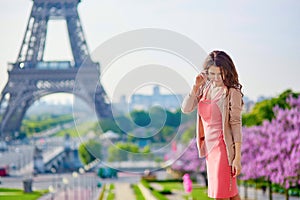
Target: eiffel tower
31	78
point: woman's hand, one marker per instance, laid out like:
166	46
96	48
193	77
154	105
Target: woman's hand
236	167
200	80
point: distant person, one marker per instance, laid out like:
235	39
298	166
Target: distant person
217	96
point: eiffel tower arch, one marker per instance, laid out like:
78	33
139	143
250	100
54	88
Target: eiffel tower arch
31	78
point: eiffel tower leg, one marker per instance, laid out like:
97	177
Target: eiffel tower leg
87	85
14	113
95	98
102	106
3	107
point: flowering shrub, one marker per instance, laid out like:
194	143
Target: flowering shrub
272	150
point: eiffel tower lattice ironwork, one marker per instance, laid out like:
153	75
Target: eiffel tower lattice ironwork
31	78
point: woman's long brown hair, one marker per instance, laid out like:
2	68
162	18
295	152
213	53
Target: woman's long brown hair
229	74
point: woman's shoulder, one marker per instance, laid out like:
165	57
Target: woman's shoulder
235	96
235	91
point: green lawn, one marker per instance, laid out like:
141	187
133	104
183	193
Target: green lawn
111	194
16	194
198	193
138	192
172	185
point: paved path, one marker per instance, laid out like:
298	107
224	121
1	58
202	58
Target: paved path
123	191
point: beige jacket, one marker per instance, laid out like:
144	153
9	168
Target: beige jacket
230	106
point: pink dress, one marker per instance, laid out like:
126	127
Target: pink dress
221	183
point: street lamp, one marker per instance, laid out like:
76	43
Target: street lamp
82	171
53	171
75	175
66	182
51	190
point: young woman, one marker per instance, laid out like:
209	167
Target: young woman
217	96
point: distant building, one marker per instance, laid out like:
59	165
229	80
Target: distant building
262	98
145	102
248	104
168	101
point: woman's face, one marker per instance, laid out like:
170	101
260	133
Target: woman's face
215	75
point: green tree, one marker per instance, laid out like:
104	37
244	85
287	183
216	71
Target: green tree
121	151
188	135
124	123
141	118
89	151
188	117
173	119
158	117
108	124
166	134
146	149
264	110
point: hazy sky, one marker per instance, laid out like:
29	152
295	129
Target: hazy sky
262	37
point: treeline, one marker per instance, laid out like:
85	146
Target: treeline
137	130
264	110
140	124
127	151
39	123
154	118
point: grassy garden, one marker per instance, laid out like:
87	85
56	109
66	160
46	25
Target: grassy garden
111	194
11	194
139	195
162	189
